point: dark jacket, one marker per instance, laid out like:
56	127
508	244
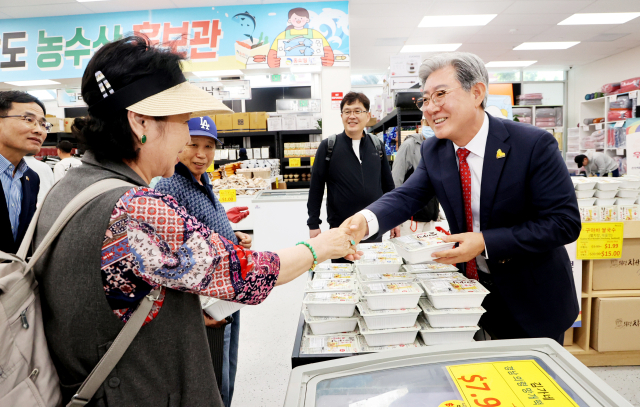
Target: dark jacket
528	212
168	363
30	187
351	186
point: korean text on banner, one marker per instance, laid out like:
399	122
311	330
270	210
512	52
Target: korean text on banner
600	241
520	383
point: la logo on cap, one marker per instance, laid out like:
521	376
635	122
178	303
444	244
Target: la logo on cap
204	124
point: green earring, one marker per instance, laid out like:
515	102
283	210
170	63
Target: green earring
144	139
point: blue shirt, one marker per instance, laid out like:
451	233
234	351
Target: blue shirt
12	187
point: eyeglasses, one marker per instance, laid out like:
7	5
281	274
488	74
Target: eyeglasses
32	121
357	112
436	97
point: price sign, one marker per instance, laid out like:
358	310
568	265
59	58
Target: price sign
313	159
633	94
612	98
227	195
600	241
599	126
509	383
294	162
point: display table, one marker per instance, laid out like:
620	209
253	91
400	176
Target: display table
582	344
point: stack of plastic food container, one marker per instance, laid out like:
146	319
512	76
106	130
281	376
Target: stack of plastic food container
451	310
628	198
586	201
419	247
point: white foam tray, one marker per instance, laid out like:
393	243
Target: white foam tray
439	336
329	325
582	183
630	182
607	184
587	202
387	337
446	294
606	201
382	296
451	317
585	193
419	247
388	319
627	193
625	201
331	304
606	194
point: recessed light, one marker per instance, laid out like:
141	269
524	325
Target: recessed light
430	48
508	64
545	45
39	82
457	21
599	18
208	74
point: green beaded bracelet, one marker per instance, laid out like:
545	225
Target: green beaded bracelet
313	252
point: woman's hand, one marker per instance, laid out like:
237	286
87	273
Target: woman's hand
244	240
334	244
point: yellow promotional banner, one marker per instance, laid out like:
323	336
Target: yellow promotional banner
513	383
294	162
313	159
600	241
227	195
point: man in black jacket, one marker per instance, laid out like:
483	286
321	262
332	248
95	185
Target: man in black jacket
356	171
23	129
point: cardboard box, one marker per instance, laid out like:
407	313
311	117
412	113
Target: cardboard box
305	123
224	122
619	274
274	123
289	122
372	122
265	152
615	324
68	122
257	153
240	121
258	120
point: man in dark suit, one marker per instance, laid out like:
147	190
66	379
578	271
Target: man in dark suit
23	129
508	198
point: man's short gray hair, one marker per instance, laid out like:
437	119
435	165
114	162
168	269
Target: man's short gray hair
469	68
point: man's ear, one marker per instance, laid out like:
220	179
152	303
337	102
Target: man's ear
479	90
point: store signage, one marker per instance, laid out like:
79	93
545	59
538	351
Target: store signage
276	78
70	98
600	241
294	162
336	98
313	160
508	383
211	38
633	147
227	195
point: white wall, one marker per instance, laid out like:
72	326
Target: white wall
590	78
333	79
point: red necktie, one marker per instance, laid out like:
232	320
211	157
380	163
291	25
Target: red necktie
465	177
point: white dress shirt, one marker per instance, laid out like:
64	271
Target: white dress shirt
475	160
44	172
356	148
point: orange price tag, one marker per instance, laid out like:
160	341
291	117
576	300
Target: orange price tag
294	162
518	383
227	195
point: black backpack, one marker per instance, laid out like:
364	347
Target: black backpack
331	141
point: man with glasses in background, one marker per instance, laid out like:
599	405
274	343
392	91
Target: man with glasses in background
23	129
508	198
354	167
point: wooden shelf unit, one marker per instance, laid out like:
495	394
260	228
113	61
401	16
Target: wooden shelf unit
581	347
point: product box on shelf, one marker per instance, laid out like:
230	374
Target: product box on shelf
274	123
68	122
608	213
619	274
589	213
240	121
289	122
258	120
615	324
628	212
224	122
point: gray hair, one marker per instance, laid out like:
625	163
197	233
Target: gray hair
469	68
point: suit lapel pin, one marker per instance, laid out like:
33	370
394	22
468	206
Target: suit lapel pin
27	178
500	154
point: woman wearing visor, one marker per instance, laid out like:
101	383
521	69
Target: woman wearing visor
130	242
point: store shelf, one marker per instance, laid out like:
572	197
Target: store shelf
298	184
300	132
248	134
406	116
302	166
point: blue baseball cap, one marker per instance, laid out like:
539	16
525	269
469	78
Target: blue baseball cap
203	126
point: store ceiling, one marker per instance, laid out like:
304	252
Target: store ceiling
379	28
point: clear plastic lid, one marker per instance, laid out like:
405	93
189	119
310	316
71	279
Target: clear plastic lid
364	347
331	285
399	277
333	276
603	180
370	257
439	276
390	288
425	327
364	329
421	241
329	344
429	309
365	310
331	298
308	332
429	268
335	267
309	318
376	247
453	287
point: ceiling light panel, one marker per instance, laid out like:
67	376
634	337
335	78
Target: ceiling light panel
431	48
509	64
599	18
40	82
457	21
207	74
545	45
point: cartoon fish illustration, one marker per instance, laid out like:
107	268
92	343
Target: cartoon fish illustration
247	21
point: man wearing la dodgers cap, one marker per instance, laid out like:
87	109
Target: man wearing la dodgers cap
190	186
